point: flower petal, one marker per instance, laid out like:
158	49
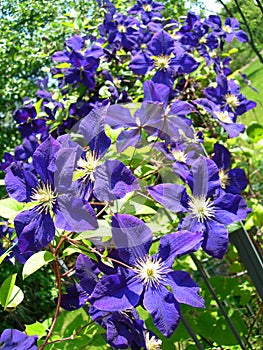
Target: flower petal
34	230
164	309
131	236
177	244
169	195
117	292
113	180
185	290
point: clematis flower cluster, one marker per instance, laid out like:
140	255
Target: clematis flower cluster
86	158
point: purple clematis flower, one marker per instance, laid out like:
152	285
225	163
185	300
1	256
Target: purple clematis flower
229	30
143	279
165	55
82	66
227	94
108	180
12	339
124	329
206	212
225	117
195	35
148	9
232	180
28	123
154	117
44	186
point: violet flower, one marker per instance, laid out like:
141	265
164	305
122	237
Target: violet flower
232	180
148	9
229	30
50	195
227	94
166	56
205	211
145	278
225	117
12	339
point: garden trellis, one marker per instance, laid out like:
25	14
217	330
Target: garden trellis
124	182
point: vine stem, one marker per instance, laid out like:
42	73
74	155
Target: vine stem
59	286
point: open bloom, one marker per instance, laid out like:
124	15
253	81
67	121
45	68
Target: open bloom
43	186
145	278
232	180
165	56
206	211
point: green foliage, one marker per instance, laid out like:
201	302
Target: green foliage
10	294
35	262
254	19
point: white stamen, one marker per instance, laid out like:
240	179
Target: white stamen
85	167
227	29
151	272
201	208
152	343
45	196
162	62
224	178
121	28
232	100
224	117
179	155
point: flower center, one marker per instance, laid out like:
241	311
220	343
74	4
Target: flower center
224	117
203	40
179	155
152	343
227	29
85	167
147	7
201	208
46	197
121	28
162	62
6	242
224	178
232	100
151	271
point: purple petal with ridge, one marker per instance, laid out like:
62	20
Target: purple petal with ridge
177	244
20	182
216	240
230	208
203	179
78	215
128	138
44	159
169	195
34	230
113	180
141	63
117	292
131	236
185	290
12	339
164	309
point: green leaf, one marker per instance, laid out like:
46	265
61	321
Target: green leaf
9	208
16	297
2	257
35	262
255	131
6	290
36	329
70	250
63	65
